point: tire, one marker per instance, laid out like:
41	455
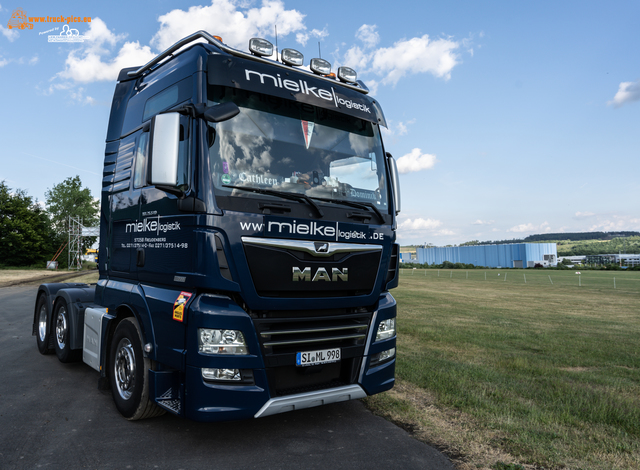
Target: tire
62	334
129	373
43	325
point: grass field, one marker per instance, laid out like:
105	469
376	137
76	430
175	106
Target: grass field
543	374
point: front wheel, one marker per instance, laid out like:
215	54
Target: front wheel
43	332
62	334
129	375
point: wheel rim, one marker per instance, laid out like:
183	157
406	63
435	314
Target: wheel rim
125	368
61	327
42	322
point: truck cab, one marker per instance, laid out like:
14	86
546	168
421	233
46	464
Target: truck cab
247	239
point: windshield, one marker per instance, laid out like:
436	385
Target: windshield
292	147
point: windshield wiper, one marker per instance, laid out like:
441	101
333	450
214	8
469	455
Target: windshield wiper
281	194
358	205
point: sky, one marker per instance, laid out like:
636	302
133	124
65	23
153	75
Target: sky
506	118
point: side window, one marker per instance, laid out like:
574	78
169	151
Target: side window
140	165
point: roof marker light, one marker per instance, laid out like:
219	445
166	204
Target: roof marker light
347	74
261	47
292	57
219	38
320	66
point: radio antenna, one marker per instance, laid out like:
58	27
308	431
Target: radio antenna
276	28
319	52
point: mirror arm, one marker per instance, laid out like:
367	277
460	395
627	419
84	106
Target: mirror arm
171	190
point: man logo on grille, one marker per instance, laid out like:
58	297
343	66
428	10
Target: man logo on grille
321	247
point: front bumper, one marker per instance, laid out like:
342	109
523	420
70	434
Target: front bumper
221	401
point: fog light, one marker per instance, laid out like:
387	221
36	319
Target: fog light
221	374
212	341
386	329
383	356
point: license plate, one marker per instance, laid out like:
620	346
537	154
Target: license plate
323	356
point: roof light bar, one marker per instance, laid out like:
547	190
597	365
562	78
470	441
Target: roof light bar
292	57
320	66
347	75
261	47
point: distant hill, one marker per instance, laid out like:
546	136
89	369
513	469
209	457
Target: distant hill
556	237
579	243
579	236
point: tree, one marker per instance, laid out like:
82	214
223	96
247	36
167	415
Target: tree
25	229
70	199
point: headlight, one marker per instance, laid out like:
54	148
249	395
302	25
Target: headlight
386	329
221	342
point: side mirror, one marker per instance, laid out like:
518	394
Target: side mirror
163	151
221	112
395	183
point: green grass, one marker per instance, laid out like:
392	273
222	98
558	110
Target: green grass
548	374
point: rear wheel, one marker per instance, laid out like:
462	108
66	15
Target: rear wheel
129	375
43	332
62	332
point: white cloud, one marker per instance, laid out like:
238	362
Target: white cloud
303	37
10	34
91	62
3	62
619	223
224	18
356	58
530	228
419	224
368	35
415	161
483	222
397	128
415	55
407	56
627	92
87	66
583	215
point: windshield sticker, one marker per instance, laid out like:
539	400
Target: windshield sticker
226	179
225	167
259	179
307	131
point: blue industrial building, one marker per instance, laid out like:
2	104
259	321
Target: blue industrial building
516	255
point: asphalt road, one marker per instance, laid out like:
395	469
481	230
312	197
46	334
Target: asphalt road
52	416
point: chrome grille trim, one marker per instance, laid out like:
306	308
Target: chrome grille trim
310	247
269	344
313	330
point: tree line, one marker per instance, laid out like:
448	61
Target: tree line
31	233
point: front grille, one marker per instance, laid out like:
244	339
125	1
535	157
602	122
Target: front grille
287	336
273	269
282	338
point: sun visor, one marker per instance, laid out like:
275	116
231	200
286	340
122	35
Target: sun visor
293	85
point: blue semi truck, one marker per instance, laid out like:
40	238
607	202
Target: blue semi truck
247	240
